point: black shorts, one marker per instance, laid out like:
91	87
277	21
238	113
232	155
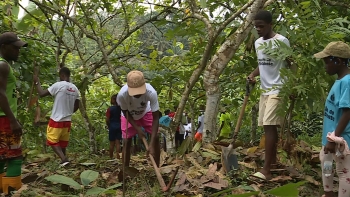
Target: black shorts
114	135
179	137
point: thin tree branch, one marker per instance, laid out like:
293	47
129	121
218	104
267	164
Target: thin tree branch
233	17
121	40
88	35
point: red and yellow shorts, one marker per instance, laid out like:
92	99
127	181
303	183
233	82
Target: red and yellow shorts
57	133
10	144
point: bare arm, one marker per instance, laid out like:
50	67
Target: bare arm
131	120
4	104
255	72
343	122
76	105
41	92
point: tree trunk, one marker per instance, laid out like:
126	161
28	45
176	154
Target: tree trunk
210	116
255	111
91	128
216	66
170	139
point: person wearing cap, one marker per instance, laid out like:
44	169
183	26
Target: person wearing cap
10	129
336	120
271	82
66	103
139	103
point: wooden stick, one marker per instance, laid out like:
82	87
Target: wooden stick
156	169
124	151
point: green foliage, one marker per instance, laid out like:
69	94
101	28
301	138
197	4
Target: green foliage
64	180
288	190
86	178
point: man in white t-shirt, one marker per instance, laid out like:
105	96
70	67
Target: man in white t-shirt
139	103
271	82
188	128
66	102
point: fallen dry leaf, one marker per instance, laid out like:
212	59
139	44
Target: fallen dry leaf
210	155
209	146
211	172
252	149
221	181
195	182
105	175
292	171
281	179
163	156
180	188
251	165
310	179
200	159
217	186
167	169
182	179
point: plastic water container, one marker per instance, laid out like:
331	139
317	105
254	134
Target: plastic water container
328	164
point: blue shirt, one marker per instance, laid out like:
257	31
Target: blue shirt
338	98
165	120
114	113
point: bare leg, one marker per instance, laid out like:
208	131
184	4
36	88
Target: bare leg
111	149
59	152
126	151
117	143
271	138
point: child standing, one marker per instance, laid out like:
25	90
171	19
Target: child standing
114	126
336	125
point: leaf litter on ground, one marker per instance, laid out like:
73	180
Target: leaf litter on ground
200	171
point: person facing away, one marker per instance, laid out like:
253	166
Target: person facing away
165	120
139	103
113	114
188	128
180	131
271	81
336	120
66	102
10	129
199	130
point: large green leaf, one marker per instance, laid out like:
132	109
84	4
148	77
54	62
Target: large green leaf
288	190
88	176
95	191
114	186
64	180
